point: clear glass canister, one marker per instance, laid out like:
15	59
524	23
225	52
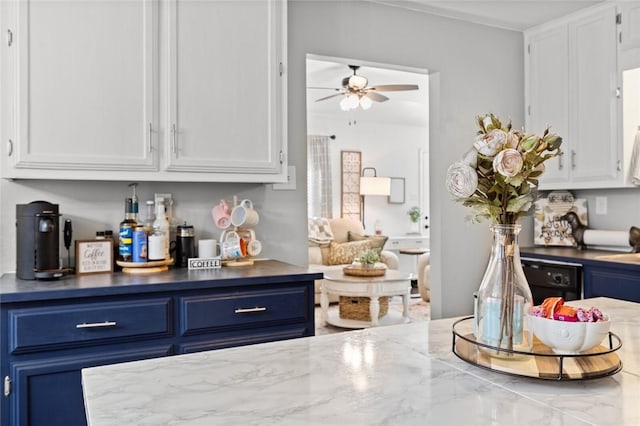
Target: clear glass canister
504	297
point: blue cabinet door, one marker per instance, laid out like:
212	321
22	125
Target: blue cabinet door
48	391
616	282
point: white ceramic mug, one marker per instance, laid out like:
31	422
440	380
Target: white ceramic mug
231	246
254	247
244	215
221	215
207	248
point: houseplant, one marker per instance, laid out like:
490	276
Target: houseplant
414	215
369	259
498	178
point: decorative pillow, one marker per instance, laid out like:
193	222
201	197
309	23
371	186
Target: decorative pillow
319	230
377	241
346	253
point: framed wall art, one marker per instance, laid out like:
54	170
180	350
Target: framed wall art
94	256
350	168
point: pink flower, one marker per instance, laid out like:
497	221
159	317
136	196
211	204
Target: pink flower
462	180
490	143
508	162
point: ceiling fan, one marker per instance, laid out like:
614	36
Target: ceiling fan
356	93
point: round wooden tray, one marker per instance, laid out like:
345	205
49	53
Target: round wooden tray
542	362
145	267
359	271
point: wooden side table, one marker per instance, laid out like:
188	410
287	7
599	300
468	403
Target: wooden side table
414	276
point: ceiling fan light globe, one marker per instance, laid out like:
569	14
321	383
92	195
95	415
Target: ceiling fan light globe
357	82
353	101
365	103
344	104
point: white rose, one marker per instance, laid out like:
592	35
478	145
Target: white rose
462	180
490	143
512	140
508	162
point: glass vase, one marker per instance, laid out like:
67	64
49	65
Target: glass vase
504	297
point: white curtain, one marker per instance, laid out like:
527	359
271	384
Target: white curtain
319	177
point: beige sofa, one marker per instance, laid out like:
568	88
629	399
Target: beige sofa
320	256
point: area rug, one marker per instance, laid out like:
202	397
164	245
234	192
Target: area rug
419	310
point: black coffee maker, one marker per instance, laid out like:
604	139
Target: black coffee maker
38	241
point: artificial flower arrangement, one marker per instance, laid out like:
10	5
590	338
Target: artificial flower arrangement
498	176
498	179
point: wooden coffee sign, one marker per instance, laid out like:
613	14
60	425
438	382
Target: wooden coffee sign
94	256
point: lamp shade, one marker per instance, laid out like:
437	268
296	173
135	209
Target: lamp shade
373	185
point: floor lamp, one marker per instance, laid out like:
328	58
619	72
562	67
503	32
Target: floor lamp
373	185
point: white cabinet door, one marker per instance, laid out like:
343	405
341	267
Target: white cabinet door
226	90
84	87
594	155
572	85
548	97
630	24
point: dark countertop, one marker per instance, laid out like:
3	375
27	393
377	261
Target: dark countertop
13	289
572	254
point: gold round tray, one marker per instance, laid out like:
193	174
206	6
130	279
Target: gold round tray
359	271
145	267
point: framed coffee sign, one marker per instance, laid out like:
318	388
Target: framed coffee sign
94	256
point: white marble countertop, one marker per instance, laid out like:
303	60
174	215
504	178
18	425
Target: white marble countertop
395	375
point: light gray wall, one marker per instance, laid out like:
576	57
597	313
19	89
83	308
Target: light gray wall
477	69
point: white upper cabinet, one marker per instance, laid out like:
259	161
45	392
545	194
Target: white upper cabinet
226	87
630	16
548	78
179	90
81	97
572	85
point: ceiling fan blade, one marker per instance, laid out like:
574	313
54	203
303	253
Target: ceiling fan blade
393	87
329	97
376	97
325	88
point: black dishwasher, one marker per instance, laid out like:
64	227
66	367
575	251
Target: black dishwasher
549	278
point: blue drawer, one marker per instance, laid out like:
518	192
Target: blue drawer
84	324
244	308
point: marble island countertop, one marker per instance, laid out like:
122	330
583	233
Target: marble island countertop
396	375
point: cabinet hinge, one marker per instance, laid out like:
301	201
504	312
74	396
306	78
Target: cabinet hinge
281	69
619	18
9	38
7	386
281	157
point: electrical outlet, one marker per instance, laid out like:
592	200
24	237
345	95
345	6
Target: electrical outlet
601	205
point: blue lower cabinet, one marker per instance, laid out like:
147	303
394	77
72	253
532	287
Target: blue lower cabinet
49	391
619	282
45	344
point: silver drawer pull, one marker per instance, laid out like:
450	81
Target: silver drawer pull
249	310
97	324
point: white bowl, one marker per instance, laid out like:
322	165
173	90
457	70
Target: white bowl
568	338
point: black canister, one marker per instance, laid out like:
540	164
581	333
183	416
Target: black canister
185	245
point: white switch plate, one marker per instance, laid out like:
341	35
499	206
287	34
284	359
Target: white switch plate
290	185
601	205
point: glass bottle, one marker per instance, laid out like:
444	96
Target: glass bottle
125	240
504	297
150	216
161	226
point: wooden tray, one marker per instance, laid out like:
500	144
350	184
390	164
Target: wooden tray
145	267
359	271
542	362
